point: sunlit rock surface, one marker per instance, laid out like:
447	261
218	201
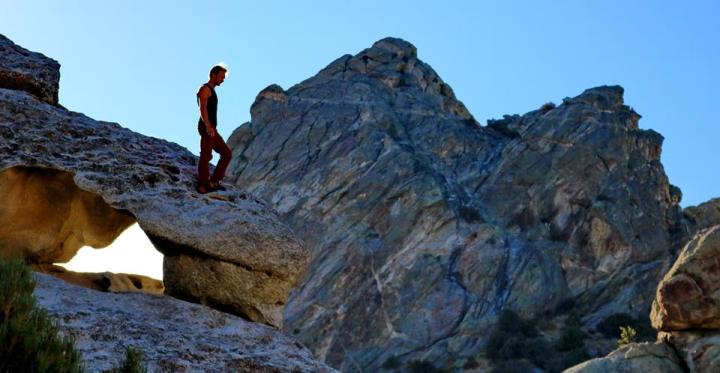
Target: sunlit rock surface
688	297
67	180
634	358
174	336
424	224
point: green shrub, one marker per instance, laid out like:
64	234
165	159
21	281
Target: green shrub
627	335
391	363
515	345
29	340
547	106
470	364
424	367
610	325
515	338
519	366
132	362
571	338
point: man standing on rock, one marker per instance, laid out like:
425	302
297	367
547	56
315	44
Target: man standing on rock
209	138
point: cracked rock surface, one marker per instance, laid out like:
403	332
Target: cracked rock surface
174	336
423	224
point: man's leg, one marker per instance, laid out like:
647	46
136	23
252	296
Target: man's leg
225	156
206	146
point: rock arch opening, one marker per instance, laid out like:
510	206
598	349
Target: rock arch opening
46	219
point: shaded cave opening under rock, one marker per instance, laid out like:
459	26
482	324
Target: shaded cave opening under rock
49	221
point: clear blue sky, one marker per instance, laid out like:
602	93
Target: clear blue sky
140	63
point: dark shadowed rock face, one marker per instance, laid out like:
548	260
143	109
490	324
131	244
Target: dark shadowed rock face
423	225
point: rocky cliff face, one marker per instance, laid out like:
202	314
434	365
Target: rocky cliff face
67	180
424	225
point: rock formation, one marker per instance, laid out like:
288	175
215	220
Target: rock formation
704	215
67	180
685	312
174	336
634	358
688	295
105	281
423	225
28	71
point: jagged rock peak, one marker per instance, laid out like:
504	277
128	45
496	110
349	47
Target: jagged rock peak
398	46
386	74
32	72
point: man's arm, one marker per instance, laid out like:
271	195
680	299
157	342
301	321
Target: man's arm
203	96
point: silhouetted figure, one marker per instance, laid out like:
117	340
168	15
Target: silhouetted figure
209	138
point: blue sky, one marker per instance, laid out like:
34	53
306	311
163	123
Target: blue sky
139	63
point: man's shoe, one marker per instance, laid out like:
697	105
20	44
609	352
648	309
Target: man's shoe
202	189
214	185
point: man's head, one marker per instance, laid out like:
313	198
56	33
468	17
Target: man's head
217	74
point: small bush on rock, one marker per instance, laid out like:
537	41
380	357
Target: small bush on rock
29	340
610	325
627	336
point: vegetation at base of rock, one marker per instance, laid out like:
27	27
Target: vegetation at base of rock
610	325
29	340
391	363
424	366
520	366
627	336
471	364
516	345
132	362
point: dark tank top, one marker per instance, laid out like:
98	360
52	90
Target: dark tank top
212	102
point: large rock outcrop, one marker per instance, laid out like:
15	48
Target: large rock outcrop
685	313
634	358
28	71
67	180
174	336
704	215
686	309
688	297
424	225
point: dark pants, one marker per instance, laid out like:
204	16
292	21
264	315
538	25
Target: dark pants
207	145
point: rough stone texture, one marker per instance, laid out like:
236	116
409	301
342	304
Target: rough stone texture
28	71
634	358
700	350
688	297
704	215
67	180
105	281
46	218
424	225
174	336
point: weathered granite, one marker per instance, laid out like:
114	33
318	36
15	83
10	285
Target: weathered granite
688	297
424	225
704	215
699	349
105	281
67	180
634	358
174	336
28	71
